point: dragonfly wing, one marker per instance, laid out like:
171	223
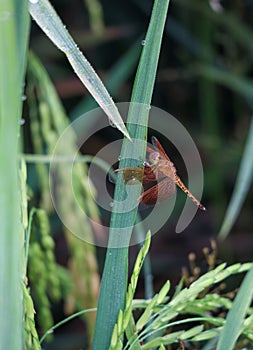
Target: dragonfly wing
150	174
150	149
161	191
159	147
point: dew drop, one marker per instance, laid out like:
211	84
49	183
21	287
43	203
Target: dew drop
112	124
111	204
23	98
143	42
21	121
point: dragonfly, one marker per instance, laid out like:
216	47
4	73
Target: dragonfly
159	173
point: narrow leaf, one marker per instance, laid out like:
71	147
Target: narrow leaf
242	185
46	17
114	281
236	314
14	26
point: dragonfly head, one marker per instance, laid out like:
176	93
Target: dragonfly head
154	157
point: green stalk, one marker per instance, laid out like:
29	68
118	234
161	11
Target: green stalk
114	280
13	44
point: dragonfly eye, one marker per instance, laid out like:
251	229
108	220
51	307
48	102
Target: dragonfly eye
154	157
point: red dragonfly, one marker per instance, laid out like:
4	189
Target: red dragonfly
160	173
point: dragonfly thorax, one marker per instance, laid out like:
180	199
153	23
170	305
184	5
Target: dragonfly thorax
167	168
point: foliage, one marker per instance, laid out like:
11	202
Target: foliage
122	221
13	45
163	320
48	120
210	57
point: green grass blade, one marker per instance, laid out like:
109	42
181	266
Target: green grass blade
46	17
67	319
236	314
114	281
242	185
245	88
11	253
23	30
147	270
179	32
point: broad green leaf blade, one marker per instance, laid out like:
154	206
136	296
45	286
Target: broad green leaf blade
114	280
11	227
242	185
46	17
236	314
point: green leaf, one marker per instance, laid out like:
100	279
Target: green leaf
46	17
66	320
242	185
236	314
162	347
146	314
13	45
163	293
192	332
209	334
114	280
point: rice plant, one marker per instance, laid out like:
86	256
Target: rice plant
208	308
